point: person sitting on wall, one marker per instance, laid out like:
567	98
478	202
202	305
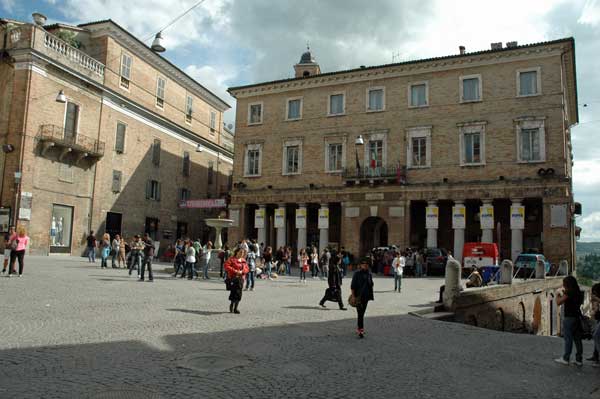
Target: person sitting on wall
475	280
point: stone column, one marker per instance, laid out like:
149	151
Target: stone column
262	232
302	231
459	236
281	231
453	284
516	236
487	235
431	233
323	233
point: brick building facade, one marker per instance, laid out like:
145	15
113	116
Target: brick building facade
427	153
132	137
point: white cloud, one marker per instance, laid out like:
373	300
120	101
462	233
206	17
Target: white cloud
591	13
8	5
216	80
590	225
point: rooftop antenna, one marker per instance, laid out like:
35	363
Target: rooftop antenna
395	57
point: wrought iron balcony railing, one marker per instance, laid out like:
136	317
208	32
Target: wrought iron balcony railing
54	136
391	174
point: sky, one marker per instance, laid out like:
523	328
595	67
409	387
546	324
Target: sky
224	43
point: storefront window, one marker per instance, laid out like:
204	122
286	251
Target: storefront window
60	227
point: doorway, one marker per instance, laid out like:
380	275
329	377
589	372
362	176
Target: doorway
113	223
61	229
373	234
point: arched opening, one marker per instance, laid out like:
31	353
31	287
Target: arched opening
522	318
373	233
500	319
306	73
537	316
552	311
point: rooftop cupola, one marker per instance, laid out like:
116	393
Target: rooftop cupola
307	66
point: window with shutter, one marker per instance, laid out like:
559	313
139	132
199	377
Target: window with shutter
160	92
156	152
210	172
116	181
120	139
125	70
186	163
71	120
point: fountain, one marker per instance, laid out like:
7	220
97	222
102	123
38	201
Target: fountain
219	224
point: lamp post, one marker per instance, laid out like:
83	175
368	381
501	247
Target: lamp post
359	142
17	192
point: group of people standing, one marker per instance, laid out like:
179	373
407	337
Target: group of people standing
192	257
16	242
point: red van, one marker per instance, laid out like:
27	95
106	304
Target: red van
479	254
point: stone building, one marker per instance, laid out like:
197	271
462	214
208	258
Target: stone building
427	153
101	133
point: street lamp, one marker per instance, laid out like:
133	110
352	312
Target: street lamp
359	142
157	45
61	98
17	192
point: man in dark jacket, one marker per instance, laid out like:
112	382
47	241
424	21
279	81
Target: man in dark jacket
362	290
148	254
334	292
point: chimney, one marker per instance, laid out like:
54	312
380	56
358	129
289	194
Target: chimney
496	46
511	44
461	49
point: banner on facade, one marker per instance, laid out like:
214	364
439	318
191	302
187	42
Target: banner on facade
486	217
25	207
459	217
517	217
279	217
431	217
301	218
324	218
259	218
204	203
234	214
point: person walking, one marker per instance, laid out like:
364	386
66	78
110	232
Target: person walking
205	259
18	244
179	258
398	265
325	261
362	291
148	255
190	260
91	247
251	261
137	247
303	263
571	298
236	269
104	250
334	290
268	261
595	315
7	248
314	262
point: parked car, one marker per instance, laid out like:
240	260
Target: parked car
527	262
435	259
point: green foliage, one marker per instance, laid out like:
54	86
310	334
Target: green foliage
584	248
588	266
69	37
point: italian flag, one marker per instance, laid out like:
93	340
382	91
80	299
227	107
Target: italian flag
373	159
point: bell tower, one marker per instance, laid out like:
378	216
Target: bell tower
307	66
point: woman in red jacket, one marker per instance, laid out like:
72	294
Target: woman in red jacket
236	269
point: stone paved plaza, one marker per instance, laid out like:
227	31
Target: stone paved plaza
72	330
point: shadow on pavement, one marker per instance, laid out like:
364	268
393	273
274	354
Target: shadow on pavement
304	307
197	312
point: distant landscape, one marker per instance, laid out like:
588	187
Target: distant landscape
584	248
588	260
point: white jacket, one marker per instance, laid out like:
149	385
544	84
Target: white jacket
398	265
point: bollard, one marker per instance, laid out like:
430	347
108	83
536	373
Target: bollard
506	272
563	268
540	269
452	288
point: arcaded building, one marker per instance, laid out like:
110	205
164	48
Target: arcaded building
101	133
437	152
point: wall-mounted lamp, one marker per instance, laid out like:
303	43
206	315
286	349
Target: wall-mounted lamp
199	148
61	98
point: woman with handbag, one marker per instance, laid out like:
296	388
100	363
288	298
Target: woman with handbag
362	292
236	269
18	243
571	297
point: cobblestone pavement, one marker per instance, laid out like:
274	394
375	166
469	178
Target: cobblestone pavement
71	330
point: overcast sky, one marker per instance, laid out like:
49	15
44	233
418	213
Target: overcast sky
225	43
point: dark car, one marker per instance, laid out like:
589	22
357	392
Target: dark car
435	259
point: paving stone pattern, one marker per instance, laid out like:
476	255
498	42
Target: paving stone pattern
72	330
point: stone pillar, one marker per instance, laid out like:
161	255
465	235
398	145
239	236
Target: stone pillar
302	230
431	233
516	235
506	272
540	269
323	233
563	268
459	235
487	235
262	232
452	288
281	230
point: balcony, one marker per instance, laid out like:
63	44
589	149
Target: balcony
378	175
78	148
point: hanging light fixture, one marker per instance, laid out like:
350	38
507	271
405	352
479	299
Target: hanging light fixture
157	43
359	140
61	98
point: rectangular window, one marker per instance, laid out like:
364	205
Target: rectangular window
65	173
419	151
472	150
71	120
153	190
294	109
60	228
292	159
186	164
528	83
334	154
211	172
125	70
184	194
116	181
253	162
375	100
156	152
471	89
160	92
375	154
418	95
189	108
336	104
120	138
213	120
255	113
530	145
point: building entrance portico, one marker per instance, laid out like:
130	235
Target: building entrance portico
373	234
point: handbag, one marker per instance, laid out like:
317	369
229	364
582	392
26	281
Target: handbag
353	301
228	284
13	244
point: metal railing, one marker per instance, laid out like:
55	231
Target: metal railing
72	54
380	172
57	135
